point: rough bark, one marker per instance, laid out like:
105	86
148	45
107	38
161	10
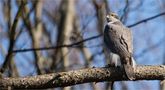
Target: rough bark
69	78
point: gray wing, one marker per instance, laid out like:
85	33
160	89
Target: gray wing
127	35
127	60
119	39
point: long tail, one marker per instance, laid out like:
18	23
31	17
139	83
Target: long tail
129	69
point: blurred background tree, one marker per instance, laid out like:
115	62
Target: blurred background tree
30	32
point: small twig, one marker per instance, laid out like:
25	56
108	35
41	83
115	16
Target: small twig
125	10
49	48
147	19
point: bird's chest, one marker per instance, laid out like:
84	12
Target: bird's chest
113	39
114	35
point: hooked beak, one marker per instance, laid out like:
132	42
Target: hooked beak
108	18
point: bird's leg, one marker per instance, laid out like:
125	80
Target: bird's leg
110	64
114	60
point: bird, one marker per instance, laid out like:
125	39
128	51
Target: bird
118	42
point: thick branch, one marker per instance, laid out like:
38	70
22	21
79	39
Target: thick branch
69	78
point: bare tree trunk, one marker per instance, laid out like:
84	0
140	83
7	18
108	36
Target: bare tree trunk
7	13
68	27
36	34
84	51
64	30
12	35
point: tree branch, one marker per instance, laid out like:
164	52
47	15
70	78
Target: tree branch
147	19
88	75
55	47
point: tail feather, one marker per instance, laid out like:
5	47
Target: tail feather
129	69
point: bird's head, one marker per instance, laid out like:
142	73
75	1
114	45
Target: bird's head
112	17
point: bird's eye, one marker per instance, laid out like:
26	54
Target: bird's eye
113	15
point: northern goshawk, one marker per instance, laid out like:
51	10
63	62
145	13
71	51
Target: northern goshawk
118	41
